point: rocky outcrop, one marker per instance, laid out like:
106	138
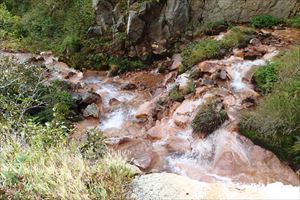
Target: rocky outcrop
172	186
243	10
155	23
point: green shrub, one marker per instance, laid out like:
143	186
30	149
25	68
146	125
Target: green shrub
92	145
294	21
264	21
274	124
71	44
209	118
199	51
265	77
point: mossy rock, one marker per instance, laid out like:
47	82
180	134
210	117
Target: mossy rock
209	118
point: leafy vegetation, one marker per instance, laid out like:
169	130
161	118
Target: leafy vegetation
264	21
265	77
209	118
274	124
36	159
294	21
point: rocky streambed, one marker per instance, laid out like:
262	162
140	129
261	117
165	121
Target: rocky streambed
156	135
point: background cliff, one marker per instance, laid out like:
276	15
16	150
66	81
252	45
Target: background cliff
155	23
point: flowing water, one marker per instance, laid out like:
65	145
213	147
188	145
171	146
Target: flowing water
168	144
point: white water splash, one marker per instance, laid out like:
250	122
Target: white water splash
109	91
116	118
240	69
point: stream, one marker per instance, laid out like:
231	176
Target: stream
162	140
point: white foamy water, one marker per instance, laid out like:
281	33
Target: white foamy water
240	69
109	91
116	118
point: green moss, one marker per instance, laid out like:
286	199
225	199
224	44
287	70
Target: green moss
264	21
190	88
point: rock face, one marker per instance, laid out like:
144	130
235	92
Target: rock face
242	11
158	22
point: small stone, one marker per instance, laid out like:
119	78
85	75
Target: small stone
91	111
223	74
255	42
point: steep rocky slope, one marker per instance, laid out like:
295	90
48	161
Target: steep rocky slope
155	24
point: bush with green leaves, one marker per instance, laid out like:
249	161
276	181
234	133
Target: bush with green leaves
210	117
265	77
10	29
92	145
274	124
294	21
24	93
264	21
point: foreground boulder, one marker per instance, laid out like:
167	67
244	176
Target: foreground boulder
172	186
